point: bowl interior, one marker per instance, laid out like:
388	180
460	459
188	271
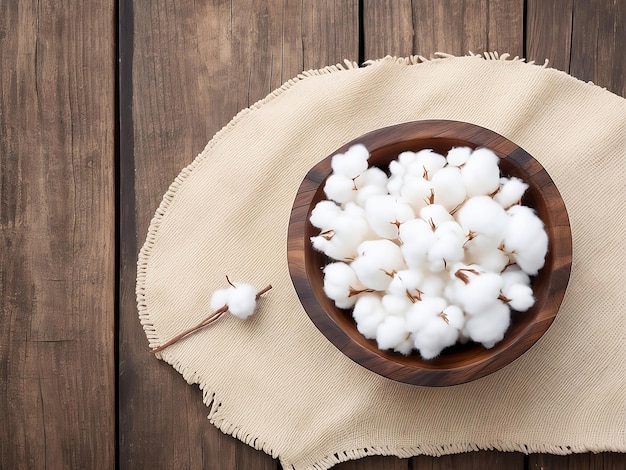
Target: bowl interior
459	363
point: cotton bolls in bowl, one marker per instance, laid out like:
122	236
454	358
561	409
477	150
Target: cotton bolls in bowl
408	193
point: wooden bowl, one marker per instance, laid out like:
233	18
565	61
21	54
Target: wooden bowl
459	363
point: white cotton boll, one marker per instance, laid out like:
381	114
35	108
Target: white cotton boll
451	228
435	215
455	316
394	186
448	187
481	174
481	293
520	297
324	214
432	285
489	327
514	275
333	248
407	158
377	262
341	284
422	312
436	335
366	305
369	325
492	260
406	283
526	239
220	298
406	346
416	191
367	192
242	300
391	332
510	192
457	156
372	177
352	163
446	250
396	305
340	188
386	213
427	162
482	215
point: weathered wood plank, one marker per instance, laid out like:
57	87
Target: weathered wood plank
470	461
374	463
605	461
57	234
192	67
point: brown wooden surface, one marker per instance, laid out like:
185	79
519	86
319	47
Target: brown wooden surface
461	363
185	68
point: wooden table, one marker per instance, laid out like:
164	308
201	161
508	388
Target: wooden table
102	104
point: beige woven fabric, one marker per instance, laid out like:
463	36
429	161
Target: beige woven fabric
275	382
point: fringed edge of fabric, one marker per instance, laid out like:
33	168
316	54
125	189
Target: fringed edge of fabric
209	397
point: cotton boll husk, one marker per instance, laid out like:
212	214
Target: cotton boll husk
526	239
434	337
385	213
482	215
457	156
366	304
416	191
481	174
391	332
435	214
340	188
520	297
481	293
324	214
242	300
220	298
510	192
427	161
448	187
422	312
352	163
396	305
489	327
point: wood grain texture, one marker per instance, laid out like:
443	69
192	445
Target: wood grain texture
604	461
57	247
193	66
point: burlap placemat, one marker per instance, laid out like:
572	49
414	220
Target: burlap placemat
275	382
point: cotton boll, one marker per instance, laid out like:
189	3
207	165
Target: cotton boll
427	163
406	346
520	297
482	215
514	275
455	316
432	285
481	293
422	312
366	305
481	174
340	188
391	332
510	192
367	192
371	274
406	283
385	214
341	284
333	248
377	262
242	300
396	305
489	327
445	250
372	176
435	215
416	191
220	298
352	163
324	214
448	188
457	156
407	158
492	260
435	336
526	239
369	325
